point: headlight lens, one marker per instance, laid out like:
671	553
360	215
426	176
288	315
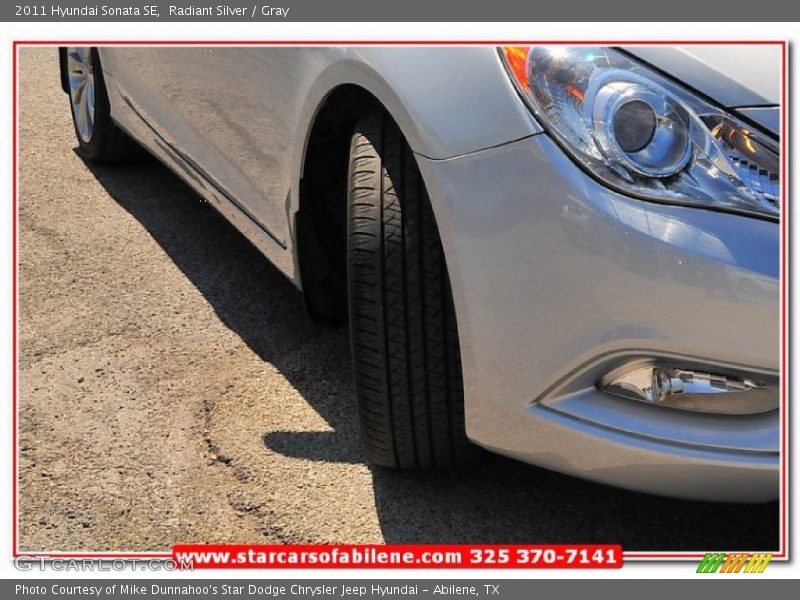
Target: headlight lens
642	134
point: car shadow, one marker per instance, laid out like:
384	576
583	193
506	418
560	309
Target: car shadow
499	501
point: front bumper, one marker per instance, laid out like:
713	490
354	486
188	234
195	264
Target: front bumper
552	272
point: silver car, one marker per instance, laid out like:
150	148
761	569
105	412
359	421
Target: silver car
566	255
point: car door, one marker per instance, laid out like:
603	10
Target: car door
231	112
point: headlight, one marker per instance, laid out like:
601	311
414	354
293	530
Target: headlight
642	134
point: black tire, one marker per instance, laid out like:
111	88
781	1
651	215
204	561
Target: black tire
402	322
108	143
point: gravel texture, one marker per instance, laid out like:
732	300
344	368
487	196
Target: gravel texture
172	390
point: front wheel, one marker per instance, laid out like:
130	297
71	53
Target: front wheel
402	322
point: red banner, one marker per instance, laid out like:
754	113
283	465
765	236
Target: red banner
396	556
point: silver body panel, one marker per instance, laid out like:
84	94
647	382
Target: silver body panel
553	271
550	270
243	114
732	75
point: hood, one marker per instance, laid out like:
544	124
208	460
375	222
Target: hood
734	76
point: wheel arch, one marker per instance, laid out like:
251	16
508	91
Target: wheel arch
319	227
439	106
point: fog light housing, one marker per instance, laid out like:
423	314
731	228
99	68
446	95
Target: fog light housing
691	389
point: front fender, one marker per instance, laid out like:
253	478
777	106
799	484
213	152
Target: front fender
448	101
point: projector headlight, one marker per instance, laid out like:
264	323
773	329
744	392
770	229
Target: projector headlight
642	134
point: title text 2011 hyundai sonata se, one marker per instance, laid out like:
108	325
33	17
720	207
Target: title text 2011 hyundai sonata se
566	255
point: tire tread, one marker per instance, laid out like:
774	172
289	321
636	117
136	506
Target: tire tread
402	321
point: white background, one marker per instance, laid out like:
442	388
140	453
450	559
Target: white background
341	31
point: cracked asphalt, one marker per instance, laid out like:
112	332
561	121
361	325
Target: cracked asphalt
172	390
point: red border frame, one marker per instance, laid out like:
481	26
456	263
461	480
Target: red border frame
782	553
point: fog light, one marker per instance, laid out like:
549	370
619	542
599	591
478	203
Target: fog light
690	389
